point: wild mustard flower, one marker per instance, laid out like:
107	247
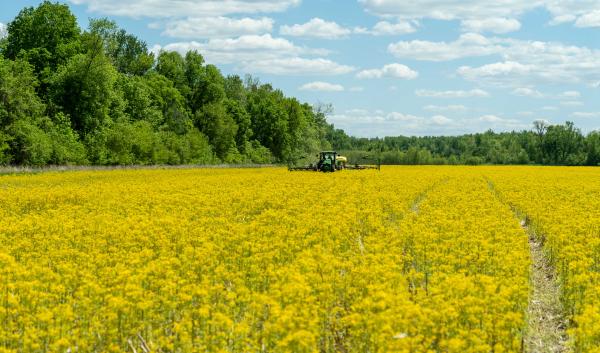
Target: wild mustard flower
409	259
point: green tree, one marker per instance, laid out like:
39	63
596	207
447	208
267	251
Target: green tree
172	66
243	121
220	128
29	144
128	54
18	99
269	121
84	89
191	148
206	84
562	144
593	148
234	89
170	101
140	100
46	36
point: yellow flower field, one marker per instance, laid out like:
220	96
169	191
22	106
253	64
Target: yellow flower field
564	207
409	259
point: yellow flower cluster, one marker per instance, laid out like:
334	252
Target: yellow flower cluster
409	259
563	205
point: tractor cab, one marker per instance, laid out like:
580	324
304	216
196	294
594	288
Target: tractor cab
327	161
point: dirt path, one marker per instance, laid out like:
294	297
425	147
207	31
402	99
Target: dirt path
545	319
546	324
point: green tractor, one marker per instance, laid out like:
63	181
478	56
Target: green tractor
327	161
331	161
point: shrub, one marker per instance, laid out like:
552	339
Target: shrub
30	145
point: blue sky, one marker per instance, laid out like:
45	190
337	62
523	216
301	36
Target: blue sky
390	67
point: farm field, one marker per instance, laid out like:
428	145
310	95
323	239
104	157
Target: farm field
408	259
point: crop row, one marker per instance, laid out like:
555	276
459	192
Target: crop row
415	259
563	205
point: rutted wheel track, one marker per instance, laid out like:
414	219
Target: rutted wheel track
423	195
546	324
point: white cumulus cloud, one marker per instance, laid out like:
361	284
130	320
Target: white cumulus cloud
320	86
244	48
495	122
591	19
364	122
441	120
570	94
449	9
527	92
297	66
549	108
521	62
584	13
500	73
467	45
217	27
446	108
385	28
586	115
494	25
182	8
571	103
2	30
262	54
389	71
316	28
477	93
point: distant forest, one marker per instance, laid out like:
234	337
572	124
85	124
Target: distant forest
544	145
99	97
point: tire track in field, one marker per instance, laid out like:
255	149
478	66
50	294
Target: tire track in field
394	217
546	323
423	195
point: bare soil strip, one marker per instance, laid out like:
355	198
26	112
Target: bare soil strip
546	323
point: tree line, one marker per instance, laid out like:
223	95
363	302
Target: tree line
100	97
545	144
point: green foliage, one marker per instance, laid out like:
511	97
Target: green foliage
243	121
214	121
234	89
170	101
562	144
172	66
29	144
139	101
18	99
84	89
269	121
45	36
548	144
128	54
257	153
100	97
593	148
5	155
138	143
191	148
66	147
